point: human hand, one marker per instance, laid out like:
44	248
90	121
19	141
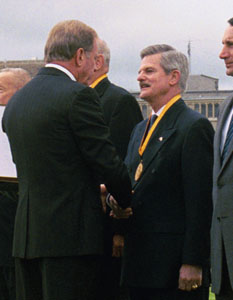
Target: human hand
117	212
118	245
190	277
103	195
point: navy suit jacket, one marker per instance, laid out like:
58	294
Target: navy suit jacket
171	202
62	150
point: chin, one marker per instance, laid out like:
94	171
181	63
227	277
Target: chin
229	72
143	95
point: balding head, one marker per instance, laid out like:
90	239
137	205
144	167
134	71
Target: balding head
11	80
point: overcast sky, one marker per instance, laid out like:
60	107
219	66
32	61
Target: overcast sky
127	26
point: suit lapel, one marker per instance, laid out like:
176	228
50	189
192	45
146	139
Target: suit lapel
222	120
160	136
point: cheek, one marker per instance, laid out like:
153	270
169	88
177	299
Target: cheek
4	97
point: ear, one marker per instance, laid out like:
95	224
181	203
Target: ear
79	57
175	77
99	62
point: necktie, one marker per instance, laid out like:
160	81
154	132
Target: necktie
152	120
228	140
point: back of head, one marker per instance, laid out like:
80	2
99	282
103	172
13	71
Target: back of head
104	50
66	38
171	59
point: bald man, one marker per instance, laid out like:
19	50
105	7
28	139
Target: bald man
11	80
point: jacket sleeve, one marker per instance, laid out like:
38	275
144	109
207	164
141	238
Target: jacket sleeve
197	162
92	136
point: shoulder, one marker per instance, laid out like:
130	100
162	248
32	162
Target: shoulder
119	92
190	117
227	102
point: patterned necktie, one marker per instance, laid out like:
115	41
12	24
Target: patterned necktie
228	139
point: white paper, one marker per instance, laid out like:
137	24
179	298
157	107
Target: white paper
7	167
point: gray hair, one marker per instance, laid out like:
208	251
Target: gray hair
66	38
104	50
21	76
171	59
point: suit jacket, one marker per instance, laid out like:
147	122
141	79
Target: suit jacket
171	202
61	148
121	113
8	203
222	222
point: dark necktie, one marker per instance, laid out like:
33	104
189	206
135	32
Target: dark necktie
228	139
152	120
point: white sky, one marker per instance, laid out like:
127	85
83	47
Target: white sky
127	26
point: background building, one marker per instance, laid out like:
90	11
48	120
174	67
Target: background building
32	66
202	93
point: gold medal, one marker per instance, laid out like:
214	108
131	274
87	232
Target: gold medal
138	172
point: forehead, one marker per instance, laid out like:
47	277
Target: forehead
151	60
6	78
228	34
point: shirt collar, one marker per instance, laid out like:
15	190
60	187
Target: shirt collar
158	112
63	69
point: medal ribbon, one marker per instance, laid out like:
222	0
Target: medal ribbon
145	141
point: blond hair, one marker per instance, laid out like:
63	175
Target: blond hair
66	38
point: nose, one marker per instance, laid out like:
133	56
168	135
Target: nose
140	76
224	53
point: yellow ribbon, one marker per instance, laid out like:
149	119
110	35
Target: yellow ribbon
145	141
94	84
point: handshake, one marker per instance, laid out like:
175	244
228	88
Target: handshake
116	211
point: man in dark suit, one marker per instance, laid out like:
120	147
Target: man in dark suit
167	243
11	80
62	150
222	222
121	113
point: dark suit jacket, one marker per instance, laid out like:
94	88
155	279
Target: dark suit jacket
172	202
61	148
121	113
222	223
8	203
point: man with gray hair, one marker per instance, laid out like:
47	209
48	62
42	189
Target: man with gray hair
11	80
121	113
62	150
170	163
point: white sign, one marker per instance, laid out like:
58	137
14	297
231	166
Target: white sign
7	167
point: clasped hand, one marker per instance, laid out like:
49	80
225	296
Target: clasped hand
117	212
